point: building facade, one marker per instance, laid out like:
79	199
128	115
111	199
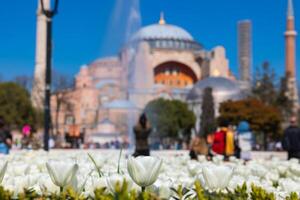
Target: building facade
160	60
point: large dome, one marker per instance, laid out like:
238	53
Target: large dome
165	36
163	31
222	87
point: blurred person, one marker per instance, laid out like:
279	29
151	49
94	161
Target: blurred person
51	143
219	142
210	140
26	137
244	140
291	139
5	138
26	130
237	148
142	131
278	146
198	146
229	142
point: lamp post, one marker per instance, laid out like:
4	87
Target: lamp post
49	14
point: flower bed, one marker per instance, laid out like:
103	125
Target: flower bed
79	175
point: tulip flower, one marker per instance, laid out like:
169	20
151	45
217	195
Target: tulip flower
61	173
113	180
162	188
144	170
217	177
93	183
46	185
289	185
3	167
295	169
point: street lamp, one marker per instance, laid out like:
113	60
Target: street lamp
49	14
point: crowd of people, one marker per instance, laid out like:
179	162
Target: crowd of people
239	142
227	141
5	138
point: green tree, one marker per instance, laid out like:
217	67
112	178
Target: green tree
267	90
265	120
283	102
15	106
170	118
264	87
207	118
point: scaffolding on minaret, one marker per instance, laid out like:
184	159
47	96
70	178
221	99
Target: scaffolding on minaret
290	11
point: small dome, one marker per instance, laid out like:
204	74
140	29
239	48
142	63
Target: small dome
163	31
221	87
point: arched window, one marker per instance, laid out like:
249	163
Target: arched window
174	74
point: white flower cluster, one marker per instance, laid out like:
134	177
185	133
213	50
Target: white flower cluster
52	172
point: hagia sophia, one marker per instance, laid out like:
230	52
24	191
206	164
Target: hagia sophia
159	61
167	62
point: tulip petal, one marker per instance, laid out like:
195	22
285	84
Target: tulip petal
53	175
3	170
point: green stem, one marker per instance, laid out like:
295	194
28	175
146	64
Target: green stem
119	161
143	189
95	164
61	189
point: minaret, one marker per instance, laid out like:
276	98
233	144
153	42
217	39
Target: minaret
38	90
290	57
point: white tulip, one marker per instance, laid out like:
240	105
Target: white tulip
258	170
19	183
29	170
294	161
162	188
295	169
46	185
144	170
3	167
19	168
272	176
193	168
288	185
217	177
242	170
113	180
235	182
93	183
61	173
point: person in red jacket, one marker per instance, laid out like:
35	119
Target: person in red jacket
219	143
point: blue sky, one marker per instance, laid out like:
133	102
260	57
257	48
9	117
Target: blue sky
81	29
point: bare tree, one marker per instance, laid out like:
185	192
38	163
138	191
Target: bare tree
24	81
